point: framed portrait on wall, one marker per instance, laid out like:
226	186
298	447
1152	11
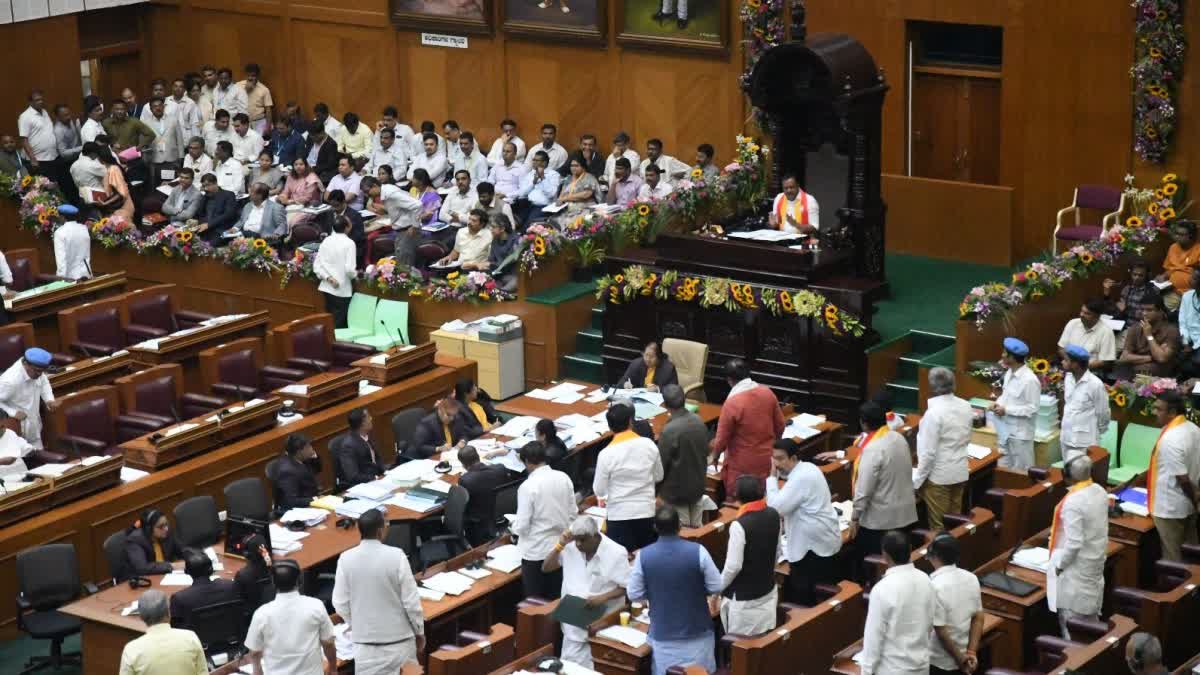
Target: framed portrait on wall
452	16
565	20
687	25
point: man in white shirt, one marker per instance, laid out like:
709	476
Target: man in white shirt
626	472
794	210
472	243
1016	408
508	134
900	615
1078	547
230	174
594	568
556	154
621	149
13	450
376	595
289	634
416	142
204	99
247	142
750	605
655	188
1089	332
457	206
87	172
218	129
809	521
23	389
93	126
1171	494
184	109
671	168
36	130
322	118
167	148
506	174
72	245
431	160
388	153
942	439
348	182
545	507
400	131
469	159
454	153
957	610
228	96
196	159
881	482
1086	413
335	266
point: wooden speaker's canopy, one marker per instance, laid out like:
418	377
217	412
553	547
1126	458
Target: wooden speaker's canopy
826	67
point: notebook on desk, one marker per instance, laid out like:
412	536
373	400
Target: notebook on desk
999	581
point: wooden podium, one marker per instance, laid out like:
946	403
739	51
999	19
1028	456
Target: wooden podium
92	372
46	493
396	363
199	434
184	347
321	390
41	308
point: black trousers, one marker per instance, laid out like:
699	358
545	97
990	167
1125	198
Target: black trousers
539	584
632	534
805	574
339	307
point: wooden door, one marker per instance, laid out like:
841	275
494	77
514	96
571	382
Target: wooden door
113	73
956	126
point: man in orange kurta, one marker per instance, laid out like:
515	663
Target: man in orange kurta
1182	257
750	423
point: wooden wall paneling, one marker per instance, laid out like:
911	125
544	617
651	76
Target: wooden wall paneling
945	219
565	85
56	72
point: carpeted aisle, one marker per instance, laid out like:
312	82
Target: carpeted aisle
14	654
926	293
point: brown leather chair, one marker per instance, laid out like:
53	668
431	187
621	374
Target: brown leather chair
308	344
154	311
154	398
15	338
237	370
85	423
96	328
1170	610
303	234
26	271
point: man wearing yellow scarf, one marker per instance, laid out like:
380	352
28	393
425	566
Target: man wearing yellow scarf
1078	547
1171	495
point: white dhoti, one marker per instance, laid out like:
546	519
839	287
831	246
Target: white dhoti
750	617
383	659
575	646
1016	454
668	7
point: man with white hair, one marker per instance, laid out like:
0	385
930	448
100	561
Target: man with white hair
162	649
942	440
1143	655
1078	543
594	568
1086	414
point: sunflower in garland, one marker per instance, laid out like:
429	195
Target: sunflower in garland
1167	213
1086	258
1153	209
1133	221
1170	178
1170	189
26	181
643	210
185	236
539	246
1120	400
1159	194
697	174
831	319
260	243
785	301
1040	366
650	281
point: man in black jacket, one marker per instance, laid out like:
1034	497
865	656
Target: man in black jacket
439	431
204	590
292	476
480	481
326	158
355	459
217	211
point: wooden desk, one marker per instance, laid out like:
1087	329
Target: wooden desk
1138	533
485	653
528	662
993	631
534	407
86	373
1028	617
231	423
1103	655
322	390
47	493
396	363
183	349
42	309
1186	668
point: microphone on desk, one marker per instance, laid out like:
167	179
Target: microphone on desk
174	413
387	332
83	349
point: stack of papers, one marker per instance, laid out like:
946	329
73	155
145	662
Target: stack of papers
309	516
378	490
1036	559
624	634
646	411
451	583
977	451
844	510
596	396
326	502
282	535
517	426
94	459
356	507
179	429
797	429
455	326
411	472
295	389
51	470
130	474
764	235
176	579
430	594
505	558
509	460
404	500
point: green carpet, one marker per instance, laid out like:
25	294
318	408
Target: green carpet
926	293
14	654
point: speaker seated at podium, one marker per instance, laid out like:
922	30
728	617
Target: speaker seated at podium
154	398
15	338
794	210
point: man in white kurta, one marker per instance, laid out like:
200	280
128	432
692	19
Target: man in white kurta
594	568
1086	414
900	615
1171	494
942	439
1078	545
23	387
13	450
72	246
1016	408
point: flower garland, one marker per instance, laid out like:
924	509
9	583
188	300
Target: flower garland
175	242
251	254
38	201
763	24
1048	373
1162	206
1139	398
1159	53
636	281
387	276
695	198
301	265
115	232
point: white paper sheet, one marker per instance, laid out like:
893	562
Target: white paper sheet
624	634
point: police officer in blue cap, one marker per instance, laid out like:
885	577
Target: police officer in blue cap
1016	408
23	388
1086	414
72	246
